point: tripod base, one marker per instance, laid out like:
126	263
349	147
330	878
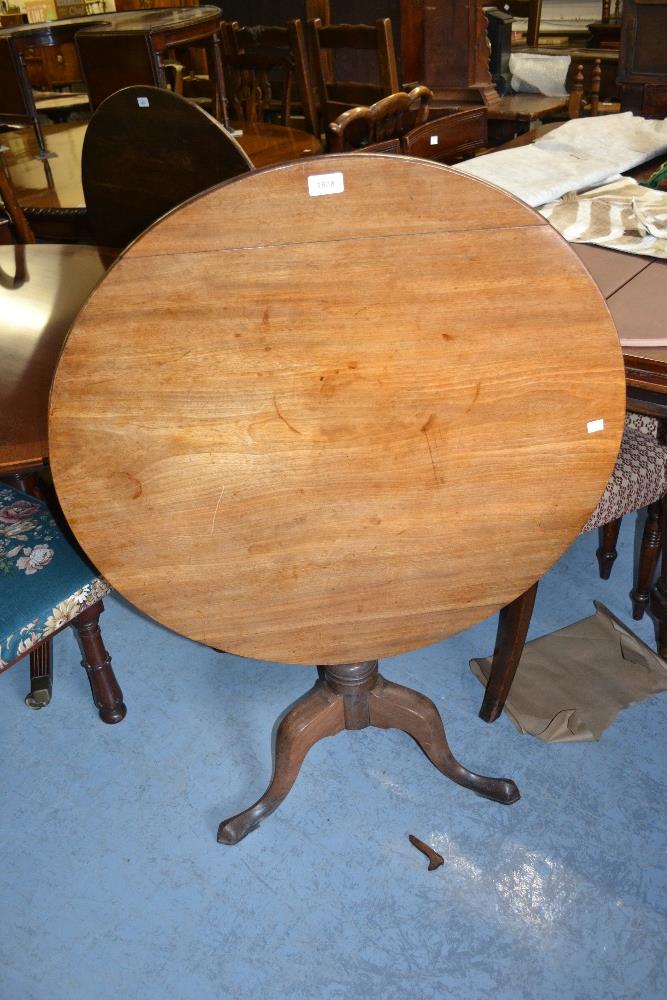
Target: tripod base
354	696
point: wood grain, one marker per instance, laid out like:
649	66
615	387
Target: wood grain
327	429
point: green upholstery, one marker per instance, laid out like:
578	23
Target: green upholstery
45	582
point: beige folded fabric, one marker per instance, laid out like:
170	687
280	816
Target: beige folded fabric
621	215
571	684
579	154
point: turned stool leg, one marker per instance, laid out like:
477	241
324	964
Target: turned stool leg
107	694
648	557
659	592
41	676
353	696
606	552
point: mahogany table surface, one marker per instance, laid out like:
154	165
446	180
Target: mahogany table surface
56	183
302	420
42	288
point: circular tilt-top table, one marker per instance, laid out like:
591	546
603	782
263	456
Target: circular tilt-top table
334	411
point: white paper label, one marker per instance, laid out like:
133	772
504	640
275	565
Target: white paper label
434	140
143	102
325	184
595	425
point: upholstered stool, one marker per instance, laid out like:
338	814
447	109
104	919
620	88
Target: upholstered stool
46	584
639	480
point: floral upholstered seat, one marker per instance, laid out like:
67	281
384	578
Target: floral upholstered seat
45	584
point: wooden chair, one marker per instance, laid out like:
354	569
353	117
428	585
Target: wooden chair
327	44
639	480
21	230
530	9
45	585
578	104
147	150
380	127
450	138
264	65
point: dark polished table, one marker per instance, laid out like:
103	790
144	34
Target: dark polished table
57	184
42	288
126	48
17	103
42	186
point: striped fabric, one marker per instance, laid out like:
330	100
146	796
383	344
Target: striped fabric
622	215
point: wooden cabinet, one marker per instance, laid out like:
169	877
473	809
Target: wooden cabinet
642	68
55	66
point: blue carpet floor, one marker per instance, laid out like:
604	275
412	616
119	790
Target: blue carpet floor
113	886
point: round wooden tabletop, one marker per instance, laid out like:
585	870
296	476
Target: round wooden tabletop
336	410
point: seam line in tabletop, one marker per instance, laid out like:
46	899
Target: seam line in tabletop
340	239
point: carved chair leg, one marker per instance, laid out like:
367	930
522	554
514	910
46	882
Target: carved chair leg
107	694
28	481
393	706
41	676
353	696
318	714
606	552
648	557
513	622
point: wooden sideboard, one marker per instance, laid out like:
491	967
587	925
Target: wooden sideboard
642	67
